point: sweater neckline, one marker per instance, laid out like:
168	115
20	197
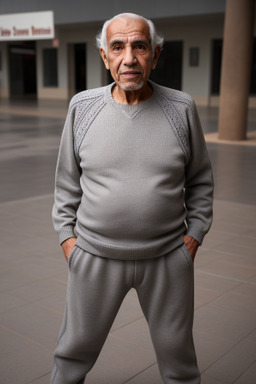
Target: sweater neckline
130	111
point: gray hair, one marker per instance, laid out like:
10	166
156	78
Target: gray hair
155	38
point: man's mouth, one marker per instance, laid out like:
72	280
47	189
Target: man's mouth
130	74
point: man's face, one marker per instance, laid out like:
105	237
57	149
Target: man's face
129	58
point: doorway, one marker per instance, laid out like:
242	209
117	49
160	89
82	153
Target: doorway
23	81
77	68
168	71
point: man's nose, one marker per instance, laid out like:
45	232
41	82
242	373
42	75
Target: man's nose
129	56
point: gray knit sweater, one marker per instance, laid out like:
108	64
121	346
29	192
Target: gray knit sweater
131	180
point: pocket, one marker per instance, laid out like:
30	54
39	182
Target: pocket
187	255
71	255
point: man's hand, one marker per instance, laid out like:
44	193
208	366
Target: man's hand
192	245
67	246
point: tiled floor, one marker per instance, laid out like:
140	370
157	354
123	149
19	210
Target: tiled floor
34	274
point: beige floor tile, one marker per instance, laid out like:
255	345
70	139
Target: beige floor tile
227	269
136	333
246	289
211	243
209	380
38	290
93	379
234	363
244	241
223	323
210	348
252	336
214	282
225	224
62	278
119	361
150	376
12	256
204	296
245	259
248	377
41	268
206	256
252	280
10	279
218	236
45	379
54	303
34	323
22	360
129	312
237	302
251	233
237	249
9	302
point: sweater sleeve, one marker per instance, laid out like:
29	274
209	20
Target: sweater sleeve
199	181
67	194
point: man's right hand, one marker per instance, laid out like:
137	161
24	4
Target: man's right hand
67	246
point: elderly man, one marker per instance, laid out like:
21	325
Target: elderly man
133	201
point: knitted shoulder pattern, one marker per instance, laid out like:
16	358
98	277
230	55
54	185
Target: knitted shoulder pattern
175	105
87	105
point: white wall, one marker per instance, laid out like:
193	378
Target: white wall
94	67
194	32
43	92
93	61
67	36
199	33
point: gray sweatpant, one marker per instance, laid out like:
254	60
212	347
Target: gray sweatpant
96	289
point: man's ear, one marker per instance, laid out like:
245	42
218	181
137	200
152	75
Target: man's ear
104	58
156	56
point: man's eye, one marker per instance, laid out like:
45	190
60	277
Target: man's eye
140	47
117	47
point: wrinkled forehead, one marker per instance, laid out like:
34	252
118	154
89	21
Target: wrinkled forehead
128	29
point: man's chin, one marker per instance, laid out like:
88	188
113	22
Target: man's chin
131	86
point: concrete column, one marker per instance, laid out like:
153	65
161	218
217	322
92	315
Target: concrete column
236	69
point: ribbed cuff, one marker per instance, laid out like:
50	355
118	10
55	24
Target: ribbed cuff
66	233
196	233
